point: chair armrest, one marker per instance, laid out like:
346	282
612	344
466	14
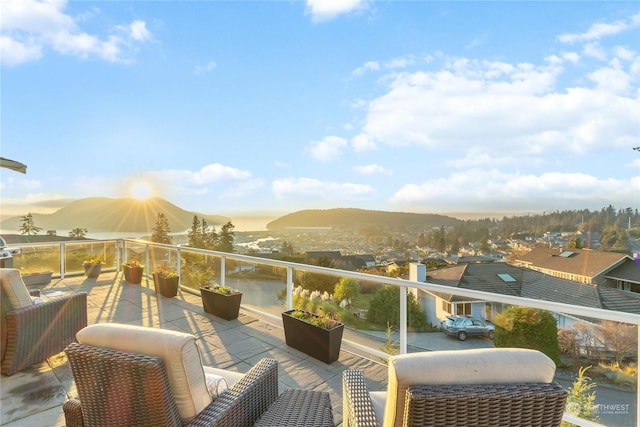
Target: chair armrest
73	413
246	400
41	330
357	408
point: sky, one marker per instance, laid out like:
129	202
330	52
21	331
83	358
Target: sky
270	107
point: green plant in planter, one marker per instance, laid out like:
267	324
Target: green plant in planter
166	273
133	271
319	336
221	301
166	281
224	290
324	322
93	266
94	260
134	263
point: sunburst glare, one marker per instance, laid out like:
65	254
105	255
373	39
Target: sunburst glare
141	190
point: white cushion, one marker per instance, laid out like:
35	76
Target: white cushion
230	377
216	385
378	401
177	350
478	366
14	289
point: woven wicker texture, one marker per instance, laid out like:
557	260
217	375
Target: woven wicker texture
127	389
32	334
117	388
478	405
537	404
357	409
299	408
245	401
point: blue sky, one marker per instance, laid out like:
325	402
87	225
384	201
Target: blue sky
268	107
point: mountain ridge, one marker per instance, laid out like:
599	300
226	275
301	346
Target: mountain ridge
352	217
98	214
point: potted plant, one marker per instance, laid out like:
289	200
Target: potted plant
221	301
318	336
166	281
93	267
133	271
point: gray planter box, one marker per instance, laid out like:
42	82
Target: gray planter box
37	278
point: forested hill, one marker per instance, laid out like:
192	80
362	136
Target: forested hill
349	217
115	215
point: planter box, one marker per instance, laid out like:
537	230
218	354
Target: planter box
319	343
133	274
92	270
37	278
166	286
221	305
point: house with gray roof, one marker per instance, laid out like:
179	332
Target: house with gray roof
505	279
606	269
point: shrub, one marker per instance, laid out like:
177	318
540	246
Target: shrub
384	309
527	327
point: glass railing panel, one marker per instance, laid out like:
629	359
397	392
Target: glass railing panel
76	253
263	286
38	259
162	258
198	268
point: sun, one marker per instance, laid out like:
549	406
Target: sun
141	190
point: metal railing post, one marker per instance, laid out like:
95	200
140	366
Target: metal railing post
289	288
403	320
223	270
62	257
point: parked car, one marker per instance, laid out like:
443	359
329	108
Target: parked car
462	327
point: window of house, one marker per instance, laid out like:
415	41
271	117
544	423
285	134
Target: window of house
446	307
463	309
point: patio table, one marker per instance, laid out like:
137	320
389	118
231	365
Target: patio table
299	408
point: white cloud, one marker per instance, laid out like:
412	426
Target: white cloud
571	57
30	26
601	30
402	62
594	50
367	66
612	79
502	107
207	68
327	149
13	52
324	10
301	189
372	170
138	31
496	189
362	142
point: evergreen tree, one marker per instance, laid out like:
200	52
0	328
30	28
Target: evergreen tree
161	230
195	238
225	240
28	227
78	233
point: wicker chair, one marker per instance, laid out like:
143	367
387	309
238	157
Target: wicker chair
33	332
117	387
486	387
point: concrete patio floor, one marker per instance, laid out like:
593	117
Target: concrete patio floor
34	397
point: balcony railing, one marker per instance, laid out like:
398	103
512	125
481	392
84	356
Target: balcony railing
270	294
